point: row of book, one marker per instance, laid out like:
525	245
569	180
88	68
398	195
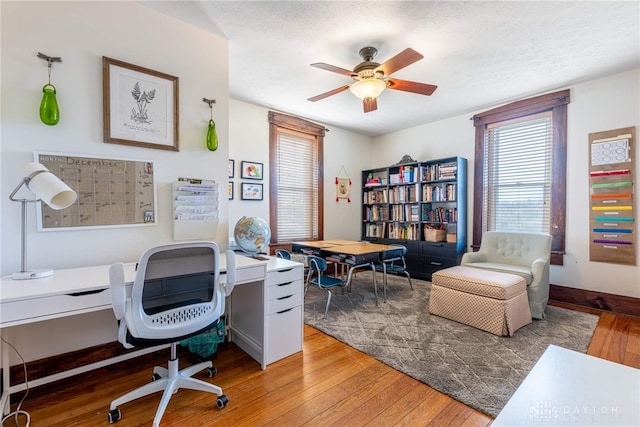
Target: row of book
404	231
405	212
405	175
376	213
375	196
437	172
439	193
439	214
375	230
403	194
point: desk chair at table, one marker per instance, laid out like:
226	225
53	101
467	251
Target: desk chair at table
317	277
176	294
393	262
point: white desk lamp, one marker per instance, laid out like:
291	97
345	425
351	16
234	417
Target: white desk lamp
47	188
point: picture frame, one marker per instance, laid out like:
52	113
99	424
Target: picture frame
251	170
251	191
231	167
230	190
140	106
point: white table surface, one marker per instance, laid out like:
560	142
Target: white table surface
567	388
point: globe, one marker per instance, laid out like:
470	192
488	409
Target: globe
252	234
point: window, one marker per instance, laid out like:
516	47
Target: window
520	177
296	189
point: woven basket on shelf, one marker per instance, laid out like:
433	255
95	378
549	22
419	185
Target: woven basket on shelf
434	235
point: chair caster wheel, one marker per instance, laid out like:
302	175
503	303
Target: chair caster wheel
155	377
114	415
222	401
212	372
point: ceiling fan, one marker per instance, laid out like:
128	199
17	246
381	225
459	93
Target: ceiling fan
371	78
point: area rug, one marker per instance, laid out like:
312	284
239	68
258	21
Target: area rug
477	368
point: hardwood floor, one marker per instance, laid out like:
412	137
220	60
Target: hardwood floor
328	384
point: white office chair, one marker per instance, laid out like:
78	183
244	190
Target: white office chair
176	294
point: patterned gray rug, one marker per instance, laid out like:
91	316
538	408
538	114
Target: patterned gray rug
474	367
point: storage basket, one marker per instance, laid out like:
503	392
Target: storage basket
451	238
434	235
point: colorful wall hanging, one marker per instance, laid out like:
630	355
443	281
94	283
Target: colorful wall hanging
612	230
343	186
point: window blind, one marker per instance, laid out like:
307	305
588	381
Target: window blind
517	174
297	186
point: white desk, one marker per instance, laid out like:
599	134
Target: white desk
567	388
266	321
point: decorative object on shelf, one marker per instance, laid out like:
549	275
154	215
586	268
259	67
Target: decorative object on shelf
343	186
252	235
49	110
231	167
251	170
212	135
406	159
251	191
140	106
49	189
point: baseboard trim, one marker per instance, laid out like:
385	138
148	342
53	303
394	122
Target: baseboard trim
47	372
618	304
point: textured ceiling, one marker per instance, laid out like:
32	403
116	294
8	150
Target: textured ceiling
480	54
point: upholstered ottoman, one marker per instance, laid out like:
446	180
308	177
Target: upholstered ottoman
489	300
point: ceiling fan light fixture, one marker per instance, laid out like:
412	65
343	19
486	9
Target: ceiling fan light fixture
367	88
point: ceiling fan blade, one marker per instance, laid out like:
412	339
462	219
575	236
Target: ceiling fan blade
370	104
407	86
333	68
327	94
401	60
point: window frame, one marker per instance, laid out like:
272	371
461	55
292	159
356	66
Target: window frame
556	103
277	121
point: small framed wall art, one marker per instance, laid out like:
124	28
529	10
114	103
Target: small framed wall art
231	167
140	106
230	190
251	191
251	170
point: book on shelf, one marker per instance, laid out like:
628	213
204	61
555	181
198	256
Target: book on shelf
447	170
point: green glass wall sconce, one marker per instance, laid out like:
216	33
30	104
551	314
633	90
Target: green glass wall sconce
212	135
49	110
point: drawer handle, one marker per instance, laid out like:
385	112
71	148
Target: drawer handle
283	298
435	263
81	294
286	270
284	311
285	284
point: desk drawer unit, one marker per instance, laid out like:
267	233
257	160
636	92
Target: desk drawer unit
284	313
14	313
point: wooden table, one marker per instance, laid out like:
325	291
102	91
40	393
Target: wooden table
359	255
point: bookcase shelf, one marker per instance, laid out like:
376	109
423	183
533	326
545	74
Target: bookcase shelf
422	206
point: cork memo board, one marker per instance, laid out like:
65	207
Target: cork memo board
612	228
111	192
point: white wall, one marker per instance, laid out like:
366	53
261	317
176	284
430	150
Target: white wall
599	105
249	140
82	33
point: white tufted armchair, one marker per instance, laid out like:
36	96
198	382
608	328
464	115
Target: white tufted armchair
525	254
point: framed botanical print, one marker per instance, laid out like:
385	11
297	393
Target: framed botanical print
140	106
